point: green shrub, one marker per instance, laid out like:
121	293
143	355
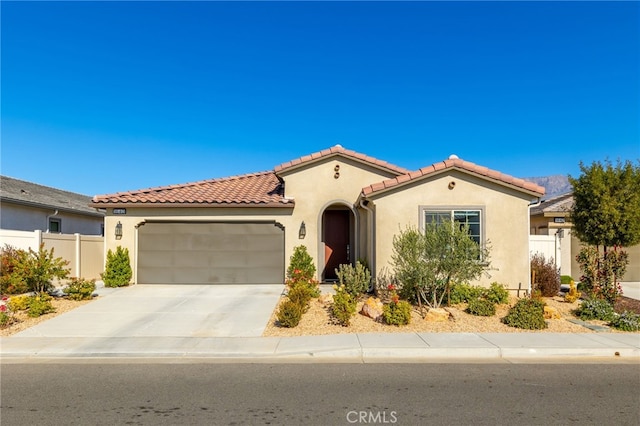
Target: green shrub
118	271
289	314
598	309
5	319
10	281
39	305
481	307
356	279
463	293
344	306
497	293
397	313
547	276
301	266
18	303
300	294
626	321
39	268
80	289
527	314
565	279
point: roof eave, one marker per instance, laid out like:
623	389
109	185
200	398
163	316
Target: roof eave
288	205
51	207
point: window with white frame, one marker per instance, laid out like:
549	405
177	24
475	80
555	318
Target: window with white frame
470	217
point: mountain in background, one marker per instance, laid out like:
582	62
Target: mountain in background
554	184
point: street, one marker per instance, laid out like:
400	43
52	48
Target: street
92	393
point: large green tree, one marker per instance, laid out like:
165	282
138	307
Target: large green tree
606	216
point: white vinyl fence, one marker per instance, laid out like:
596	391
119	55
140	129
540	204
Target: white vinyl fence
85	253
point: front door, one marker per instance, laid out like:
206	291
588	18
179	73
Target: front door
336	241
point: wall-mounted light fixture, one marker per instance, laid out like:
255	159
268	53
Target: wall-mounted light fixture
118	231
303	231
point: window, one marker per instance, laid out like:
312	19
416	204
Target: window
55	226
471	218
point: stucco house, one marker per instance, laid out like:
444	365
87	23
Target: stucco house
27	206
342	205
553	217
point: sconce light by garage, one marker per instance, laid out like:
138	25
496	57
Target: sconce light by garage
303	231
118	231
452	185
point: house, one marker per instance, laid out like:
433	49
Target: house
553	217
342	205
26	206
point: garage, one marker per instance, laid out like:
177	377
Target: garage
210	253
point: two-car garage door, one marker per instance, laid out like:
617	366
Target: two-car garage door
210	253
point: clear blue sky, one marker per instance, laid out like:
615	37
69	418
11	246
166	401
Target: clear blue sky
100	97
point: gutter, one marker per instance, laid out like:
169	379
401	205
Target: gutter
370	238
531	205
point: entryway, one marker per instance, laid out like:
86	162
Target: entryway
337	238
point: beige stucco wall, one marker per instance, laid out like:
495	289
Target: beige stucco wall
314	188
504	220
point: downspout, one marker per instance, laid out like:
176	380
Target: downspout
531	205
55	213
370	241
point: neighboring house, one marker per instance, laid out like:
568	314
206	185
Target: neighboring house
26	206
342	205
552	217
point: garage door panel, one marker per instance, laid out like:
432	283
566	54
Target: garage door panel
210	253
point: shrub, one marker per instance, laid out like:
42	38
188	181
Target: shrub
527	314
463	293
18	303
300	294
626	321
481	307
289	314
573	293
344	306
10	281
40	304
356	279
547	276
497	293
301	266
39	269
80	289
397	312
566	279
117	272
6	313
593	308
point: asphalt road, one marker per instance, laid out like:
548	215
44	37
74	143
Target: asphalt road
319	394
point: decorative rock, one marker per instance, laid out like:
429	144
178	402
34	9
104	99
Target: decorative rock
372	308
437	315
551	313
325	298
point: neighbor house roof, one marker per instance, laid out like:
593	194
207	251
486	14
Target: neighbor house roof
251	190
561	204
454	163
31	194
339	150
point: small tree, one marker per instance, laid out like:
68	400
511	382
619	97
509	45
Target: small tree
301	266
606	215
426	263
39	269
118	271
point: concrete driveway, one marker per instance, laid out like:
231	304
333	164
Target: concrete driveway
168	311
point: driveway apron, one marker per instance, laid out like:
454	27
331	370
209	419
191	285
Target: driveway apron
168	311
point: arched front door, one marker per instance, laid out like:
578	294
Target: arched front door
336	230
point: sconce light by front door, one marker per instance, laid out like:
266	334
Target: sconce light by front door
303	231
118	231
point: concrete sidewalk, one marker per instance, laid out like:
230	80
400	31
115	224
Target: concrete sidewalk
360	348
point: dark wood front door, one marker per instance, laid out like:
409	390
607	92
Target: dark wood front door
336	241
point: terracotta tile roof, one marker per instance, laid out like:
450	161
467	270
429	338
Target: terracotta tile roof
32	194
559	204
256	189
339	150
455	163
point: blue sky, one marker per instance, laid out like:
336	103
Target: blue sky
100	97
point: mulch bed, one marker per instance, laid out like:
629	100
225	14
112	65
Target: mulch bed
627	304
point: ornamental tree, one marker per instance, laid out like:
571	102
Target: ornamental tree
606	216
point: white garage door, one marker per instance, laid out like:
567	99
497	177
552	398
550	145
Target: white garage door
210	253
